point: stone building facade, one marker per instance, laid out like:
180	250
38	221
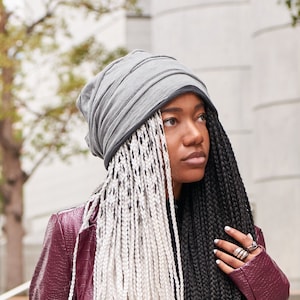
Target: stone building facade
248	55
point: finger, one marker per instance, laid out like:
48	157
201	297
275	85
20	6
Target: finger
231	249
239	236
228	259
245	240
226	246
225	268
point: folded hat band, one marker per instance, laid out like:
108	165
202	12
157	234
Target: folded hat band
126	93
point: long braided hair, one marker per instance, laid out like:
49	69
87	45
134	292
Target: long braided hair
142	250
206	207
137	254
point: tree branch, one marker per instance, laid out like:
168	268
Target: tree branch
48	150
30	28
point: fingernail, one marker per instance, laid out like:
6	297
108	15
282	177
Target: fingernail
227	228
215	251
250	236
216	241
218	261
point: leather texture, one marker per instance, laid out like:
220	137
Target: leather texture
53	273
259	279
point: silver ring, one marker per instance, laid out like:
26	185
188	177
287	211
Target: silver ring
252	247
240	253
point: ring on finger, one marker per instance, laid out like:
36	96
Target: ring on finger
240	253
252	247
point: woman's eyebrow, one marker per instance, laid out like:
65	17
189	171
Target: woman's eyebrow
200	106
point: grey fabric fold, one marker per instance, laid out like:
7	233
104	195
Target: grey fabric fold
126	93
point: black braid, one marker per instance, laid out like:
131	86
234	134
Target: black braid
207	207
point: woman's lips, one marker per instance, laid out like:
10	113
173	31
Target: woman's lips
196	159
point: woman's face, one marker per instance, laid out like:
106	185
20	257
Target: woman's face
184	120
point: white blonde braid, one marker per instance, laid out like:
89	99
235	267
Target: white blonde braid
134	256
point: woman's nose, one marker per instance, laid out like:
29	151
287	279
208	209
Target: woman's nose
193	135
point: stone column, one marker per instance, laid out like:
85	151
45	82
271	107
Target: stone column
276	144
214	39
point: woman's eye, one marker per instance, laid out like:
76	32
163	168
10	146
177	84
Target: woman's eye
169	122
202	117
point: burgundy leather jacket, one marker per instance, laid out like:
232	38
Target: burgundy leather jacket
259	278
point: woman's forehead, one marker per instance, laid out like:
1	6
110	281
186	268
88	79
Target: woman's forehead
187	99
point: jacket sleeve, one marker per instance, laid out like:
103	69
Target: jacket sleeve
52	276
261	278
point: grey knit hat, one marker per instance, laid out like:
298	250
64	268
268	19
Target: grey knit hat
127	92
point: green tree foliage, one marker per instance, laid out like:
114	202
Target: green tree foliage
32	127
294	7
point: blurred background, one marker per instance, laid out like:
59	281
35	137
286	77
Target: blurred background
246	51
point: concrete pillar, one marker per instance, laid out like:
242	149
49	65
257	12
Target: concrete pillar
214	39
276	151
138	27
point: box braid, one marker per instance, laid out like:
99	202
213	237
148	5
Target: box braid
206	208
138	255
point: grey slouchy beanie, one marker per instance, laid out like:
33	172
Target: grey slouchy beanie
127	92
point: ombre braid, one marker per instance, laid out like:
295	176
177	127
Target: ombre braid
138	254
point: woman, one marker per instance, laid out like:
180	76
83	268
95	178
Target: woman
172	219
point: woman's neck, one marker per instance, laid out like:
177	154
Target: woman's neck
176	189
